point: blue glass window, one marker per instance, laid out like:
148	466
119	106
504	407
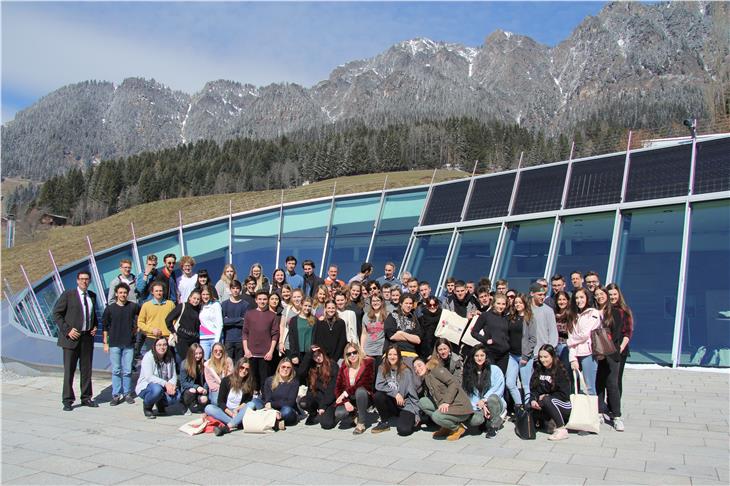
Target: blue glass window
400	214
47	295
108	265
706	333
648	272
428	255
526	251
160	246
585	244
303	232
473	254
209	246
352	228
254	241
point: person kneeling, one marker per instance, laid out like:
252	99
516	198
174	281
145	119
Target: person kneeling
484	382
550	386
321	376
354	387
280	393
449	406
395	394
235	397
157	383
192	380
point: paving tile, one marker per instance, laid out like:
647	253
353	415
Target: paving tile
61	465
486	473
149	479
224	477
681	469
427	466
11	471
635	477
108	475
19	455
268	471
523	465
46	478
557	455
423	478
313	477
459	458
541	479
374	473
576	470
622	463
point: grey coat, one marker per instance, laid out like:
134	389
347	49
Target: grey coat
404	384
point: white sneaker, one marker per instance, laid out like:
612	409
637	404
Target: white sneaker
618	424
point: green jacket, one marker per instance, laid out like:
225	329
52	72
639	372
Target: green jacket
443	388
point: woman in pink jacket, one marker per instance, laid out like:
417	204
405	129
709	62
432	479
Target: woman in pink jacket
582	321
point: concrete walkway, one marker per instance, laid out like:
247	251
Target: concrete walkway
676	433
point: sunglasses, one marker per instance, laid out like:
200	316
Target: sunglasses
351	353
244	368
286	367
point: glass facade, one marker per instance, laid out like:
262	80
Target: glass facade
209	246
352	228
428	256
706	323
526	253
473	254
585	244
400	214
648	243
254	241
647	272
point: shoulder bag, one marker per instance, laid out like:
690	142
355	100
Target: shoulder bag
172	338
259	421
584	409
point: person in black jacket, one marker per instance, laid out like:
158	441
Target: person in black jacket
550	388
321	376
192	380
188	329
402	329
280	393
235	398
491	329
607	375
120	327
330	333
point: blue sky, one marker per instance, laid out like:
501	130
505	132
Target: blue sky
183	45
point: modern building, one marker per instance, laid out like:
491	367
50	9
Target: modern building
655	220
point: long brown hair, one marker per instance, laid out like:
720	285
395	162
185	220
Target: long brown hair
574	311
527	318
381	314
323	371
621	302
399	365
244	385
193	367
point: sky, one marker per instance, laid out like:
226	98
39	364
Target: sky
47	45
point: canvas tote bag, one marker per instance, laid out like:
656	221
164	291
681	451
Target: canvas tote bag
451	326
584	409
467	338
259	421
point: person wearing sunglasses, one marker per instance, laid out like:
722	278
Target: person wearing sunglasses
429	319
235	398
280	393
354	387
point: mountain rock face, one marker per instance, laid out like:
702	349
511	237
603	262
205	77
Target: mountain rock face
633	64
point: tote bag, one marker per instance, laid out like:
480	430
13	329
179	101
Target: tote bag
259	421
467	338
172	338
451	326
584	409
194	427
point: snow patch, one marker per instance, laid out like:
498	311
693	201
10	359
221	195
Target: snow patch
254	92
182	127
508	34
327	112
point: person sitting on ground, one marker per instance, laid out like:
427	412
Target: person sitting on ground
157	383
395	394
550	388
234	399
354	387
216	368
484	383
320	373
280	393
446	403
192	380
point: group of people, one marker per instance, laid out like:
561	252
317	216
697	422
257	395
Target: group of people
358	347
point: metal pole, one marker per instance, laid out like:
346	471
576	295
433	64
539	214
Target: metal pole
328	230
281	228
35	305
428	199
180	236
230	231
683	265
496	261
95	275
618	220
515	186
447	258
376	223
135	251
56	275
469	191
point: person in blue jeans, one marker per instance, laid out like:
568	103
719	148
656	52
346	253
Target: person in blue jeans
157	383
120	326
235	397
280	393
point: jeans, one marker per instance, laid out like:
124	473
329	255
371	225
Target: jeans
495	407
154	394
514	368
207	345
236	421
589	367
121	359
361	401
289	415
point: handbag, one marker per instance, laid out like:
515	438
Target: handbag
172	338
467	338
194	427
525	421
602	343
451	326
259	421
584	409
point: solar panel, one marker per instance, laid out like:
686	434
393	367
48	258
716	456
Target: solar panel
446	203
659	173
712	166
490	197
540	189
596	182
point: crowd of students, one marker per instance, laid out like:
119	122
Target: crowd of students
328	352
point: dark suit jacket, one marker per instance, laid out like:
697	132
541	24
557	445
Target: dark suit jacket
68	313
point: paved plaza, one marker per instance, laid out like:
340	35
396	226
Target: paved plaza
676	433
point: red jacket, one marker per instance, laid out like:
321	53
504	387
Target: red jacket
365	378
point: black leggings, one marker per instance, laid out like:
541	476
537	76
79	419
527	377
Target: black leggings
261	369
554	408
309	404
387	408
361	401
607	379
194	401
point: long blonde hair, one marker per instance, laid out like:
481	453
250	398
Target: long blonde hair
360	355
225	278
277	379
220	366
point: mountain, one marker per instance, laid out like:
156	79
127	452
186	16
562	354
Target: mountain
634	64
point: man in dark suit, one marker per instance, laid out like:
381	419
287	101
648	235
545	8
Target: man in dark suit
75	316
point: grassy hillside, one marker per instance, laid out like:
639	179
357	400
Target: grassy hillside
69	243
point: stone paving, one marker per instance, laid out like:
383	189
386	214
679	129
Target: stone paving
676	433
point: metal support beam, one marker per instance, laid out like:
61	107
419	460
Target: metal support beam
515	186
407	254
281	228
683	266
553	249
496	261
95	275
376	223
180	236
447	258
611	272
135	251
230	231
35	306
57	281
328	231
467	199
428	199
